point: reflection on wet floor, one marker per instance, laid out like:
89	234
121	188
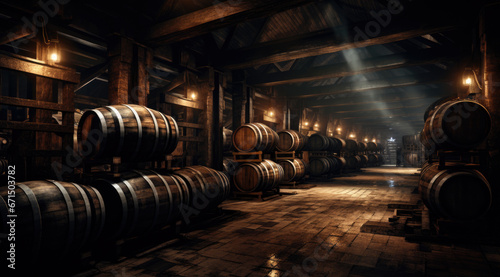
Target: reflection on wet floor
315	232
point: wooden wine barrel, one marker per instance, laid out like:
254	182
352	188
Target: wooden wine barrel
372	146
254	137
336	145
140	202
132	132
351	145
456	194
227	141
362	146
460	124
353	162
54	220
318	142
364	160
341	161
212	191
290	140
319	166
294	170
373	159
262	176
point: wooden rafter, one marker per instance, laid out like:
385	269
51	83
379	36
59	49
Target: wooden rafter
214	17
381	63
325	42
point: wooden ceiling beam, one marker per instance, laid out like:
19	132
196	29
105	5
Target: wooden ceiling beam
336	103
362	86
329	41
215	17
387	62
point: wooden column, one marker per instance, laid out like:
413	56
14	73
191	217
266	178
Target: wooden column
217	122
43	92
240	97
120	56
128	76
490	48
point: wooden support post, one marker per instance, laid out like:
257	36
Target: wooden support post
218	116
490	48
120	55
239	98
249	111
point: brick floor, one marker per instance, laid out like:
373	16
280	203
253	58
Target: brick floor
315	232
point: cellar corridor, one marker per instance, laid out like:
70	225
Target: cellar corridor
312	232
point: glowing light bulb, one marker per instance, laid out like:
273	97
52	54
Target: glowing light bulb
307	123
193	96
271	113
468	81
54	57
339	129
316	125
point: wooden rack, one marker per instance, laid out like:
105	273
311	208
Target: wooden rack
243	157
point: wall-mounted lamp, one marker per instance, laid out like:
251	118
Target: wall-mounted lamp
339	129
316	125
193	95
306	123
54	53
352	135
467	76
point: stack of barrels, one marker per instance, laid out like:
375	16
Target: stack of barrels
259	176
458	191
332	163
62	219
292	141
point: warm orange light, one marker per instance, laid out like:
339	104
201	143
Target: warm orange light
352	136
271	113
339	129
374	140
316	125
366	139
54	57
307	123
468	81
193	96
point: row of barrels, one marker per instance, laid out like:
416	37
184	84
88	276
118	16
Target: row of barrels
60	219
259	137
333	165
455	192
243	175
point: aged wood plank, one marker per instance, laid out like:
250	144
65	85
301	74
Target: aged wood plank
387	62
33	126
323	42
360	86
182	102
39	69
191	125
214	17
29	103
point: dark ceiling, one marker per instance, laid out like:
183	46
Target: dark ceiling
378	64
